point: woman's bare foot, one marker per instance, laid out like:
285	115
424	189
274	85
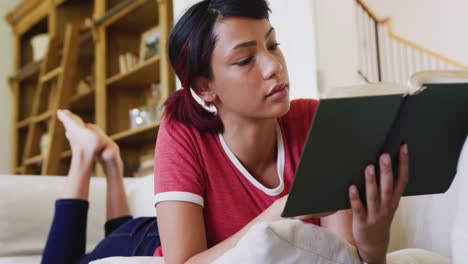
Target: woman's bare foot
90	139
82	140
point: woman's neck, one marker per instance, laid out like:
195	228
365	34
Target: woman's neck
253	142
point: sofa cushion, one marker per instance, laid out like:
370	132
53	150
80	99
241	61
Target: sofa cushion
416	256
460	226
427	221
140	192
20	260
27	207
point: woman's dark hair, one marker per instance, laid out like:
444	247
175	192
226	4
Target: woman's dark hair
190	46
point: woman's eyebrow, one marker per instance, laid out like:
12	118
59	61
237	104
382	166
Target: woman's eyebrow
253	42
269	32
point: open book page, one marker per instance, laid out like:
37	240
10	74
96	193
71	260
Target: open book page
414	84
372	89
418	79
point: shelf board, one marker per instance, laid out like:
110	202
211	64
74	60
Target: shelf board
23	123
138	135
19	170
42	117
66	154
51	75
82	101
34	160
27	71
141	75
131	15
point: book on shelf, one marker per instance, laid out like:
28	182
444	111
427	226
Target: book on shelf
348	133
127	61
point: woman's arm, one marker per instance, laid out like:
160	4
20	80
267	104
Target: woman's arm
182	231
340	223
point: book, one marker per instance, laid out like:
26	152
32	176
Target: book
122	64
349	133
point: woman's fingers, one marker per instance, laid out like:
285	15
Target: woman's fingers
372	193
359	213
403	175
386	180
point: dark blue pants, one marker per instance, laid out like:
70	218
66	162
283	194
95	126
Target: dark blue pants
125	236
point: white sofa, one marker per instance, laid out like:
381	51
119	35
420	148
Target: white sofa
437	223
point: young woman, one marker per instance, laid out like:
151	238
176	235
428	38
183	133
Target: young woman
231	140
226	153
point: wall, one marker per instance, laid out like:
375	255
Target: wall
434	24
294	25
6	68
337	58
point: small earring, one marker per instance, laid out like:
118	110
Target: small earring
208	107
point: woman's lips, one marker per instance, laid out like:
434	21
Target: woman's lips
278	92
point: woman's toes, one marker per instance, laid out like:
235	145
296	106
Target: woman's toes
109	154
69	119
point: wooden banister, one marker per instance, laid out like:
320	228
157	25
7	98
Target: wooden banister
388	22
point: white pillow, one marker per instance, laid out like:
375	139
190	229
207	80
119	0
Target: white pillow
290	241
129	260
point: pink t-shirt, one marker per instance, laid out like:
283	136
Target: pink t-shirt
200	168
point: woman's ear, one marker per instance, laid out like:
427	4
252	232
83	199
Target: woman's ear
204	89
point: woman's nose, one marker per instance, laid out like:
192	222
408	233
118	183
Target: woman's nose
271	66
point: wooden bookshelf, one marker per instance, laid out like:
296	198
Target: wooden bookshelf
146	72
117	28
27	71
23	123
34	160
136	136
66	154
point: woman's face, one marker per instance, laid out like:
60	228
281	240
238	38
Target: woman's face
250	78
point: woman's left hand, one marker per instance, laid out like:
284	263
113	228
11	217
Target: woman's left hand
371	225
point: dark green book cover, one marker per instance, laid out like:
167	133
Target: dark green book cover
349	133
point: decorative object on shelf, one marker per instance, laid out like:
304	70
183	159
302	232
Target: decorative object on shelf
139	117
127	61
85	86
44	145
154	103
150	44
39	44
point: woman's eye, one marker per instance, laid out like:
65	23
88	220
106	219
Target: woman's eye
244	61
274	46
